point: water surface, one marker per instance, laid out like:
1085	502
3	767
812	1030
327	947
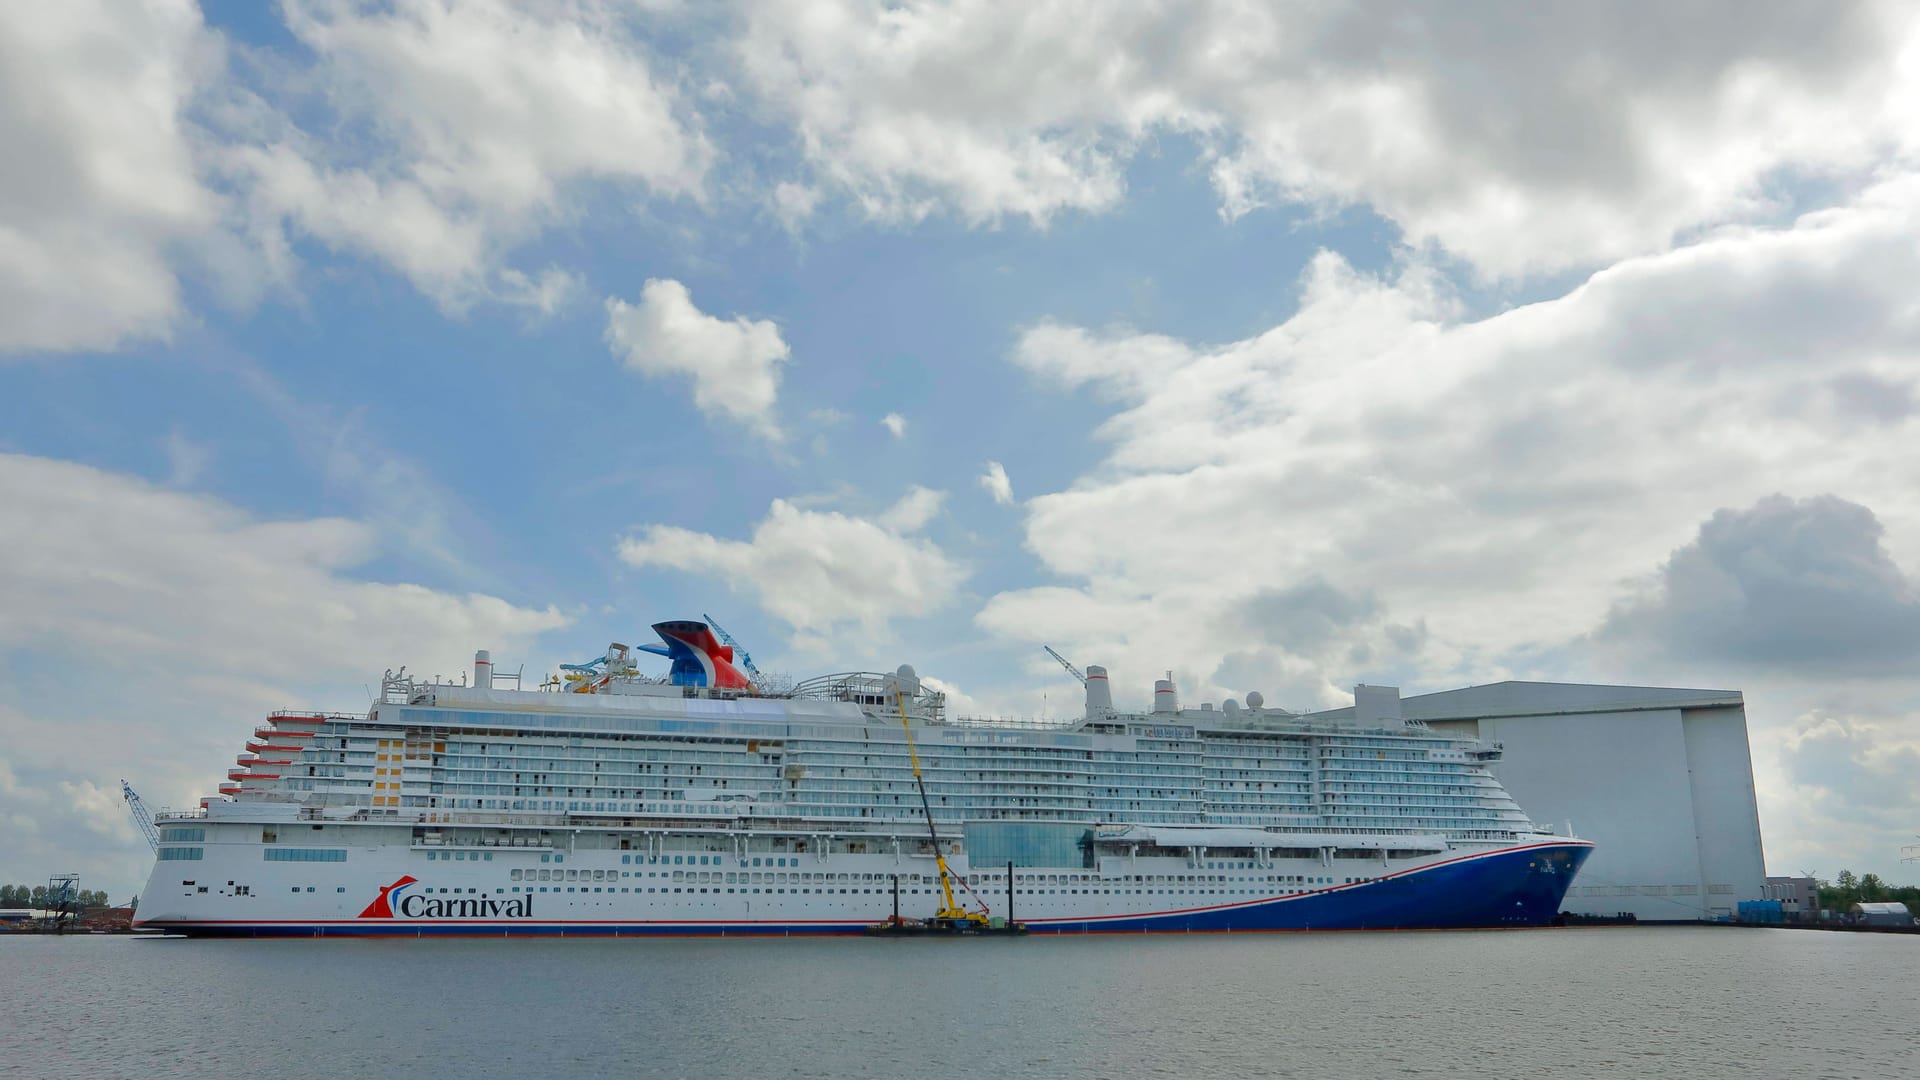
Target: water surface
1701	1003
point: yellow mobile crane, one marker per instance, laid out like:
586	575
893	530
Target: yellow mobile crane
951	918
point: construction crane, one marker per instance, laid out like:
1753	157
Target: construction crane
739	652
141	815
951	915
1065	663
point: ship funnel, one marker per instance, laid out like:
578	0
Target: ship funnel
1163	699
1099	695
483	669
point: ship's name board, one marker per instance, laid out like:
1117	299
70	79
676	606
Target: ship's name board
414	906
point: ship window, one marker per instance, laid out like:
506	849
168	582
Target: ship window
340	888
543	858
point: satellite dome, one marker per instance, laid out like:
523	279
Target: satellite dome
1230	706
906	672
1254	700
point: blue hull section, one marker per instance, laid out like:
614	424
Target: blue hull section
1521	887
1517	887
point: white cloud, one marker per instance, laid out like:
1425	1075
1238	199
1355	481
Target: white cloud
914	510
186	459
1786	584
100	191
1492	484
734	364
476	118
818	570
794	203
1844	797
546	292
996	482
1583	132
160	626
105	564
896	424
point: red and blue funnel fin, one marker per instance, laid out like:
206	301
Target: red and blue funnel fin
698	658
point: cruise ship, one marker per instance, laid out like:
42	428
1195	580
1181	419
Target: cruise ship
696	801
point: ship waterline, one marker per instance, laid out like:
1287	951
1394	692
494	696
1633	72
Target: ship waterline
618	803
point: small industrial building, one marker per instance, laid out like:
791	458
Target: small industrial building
1889	914
1799	897
1660	779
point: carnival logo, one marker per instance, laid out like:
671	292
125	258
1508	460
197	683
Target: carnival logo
392	904
382	908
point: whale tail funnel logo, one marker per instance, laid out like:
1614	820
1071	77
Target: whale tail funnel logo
382	908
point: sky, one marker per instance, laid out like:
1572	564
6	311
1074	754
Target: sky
1283	346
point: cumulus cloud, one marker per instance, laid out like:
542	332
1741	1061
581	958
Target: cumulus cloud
895	424
1844	796
734	363
101	189
1495	478
456	132
995	481
819	570
1584	133
1785	583
106	564
158	626
1304	616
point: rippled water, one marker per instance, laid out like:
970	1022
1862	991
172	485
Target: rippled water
1693	1002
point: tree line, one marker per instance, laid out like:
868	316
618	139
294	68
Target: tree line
35	896
1849	889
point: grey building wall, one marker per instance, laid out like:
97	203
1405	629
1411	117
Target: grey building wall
1799	896
1660	779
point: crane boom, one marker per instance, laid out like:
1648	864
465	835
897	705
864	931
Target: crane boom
1065	663
141	816
949	913
738	649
